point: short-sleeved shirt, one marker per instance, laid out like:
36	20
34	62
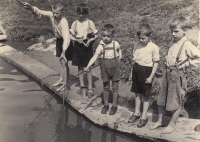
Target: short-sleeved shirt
189	50
60	28
146	56
80	29
109	54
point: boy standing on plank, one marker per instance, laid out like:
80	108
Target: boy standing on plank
181	55
61	31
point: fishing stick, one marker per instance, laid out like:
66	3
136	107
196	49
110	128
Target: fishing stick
53	96
20	2
62	90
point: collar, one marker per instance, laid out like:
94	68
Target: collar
102	43
182	40
83	21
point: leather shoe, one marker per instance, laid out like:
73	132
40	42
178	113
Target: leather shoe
104	109
113	110
133	118
142	123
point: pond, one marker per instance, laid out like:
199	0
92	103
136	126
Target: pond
22	99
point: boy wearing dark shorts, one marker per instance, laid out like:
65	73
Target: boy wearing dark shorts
145	64
61	31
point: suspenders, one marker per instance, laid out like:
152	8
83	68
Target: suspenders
104	50
75	30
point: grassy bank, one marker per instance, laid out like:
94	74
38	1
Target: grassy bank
125	15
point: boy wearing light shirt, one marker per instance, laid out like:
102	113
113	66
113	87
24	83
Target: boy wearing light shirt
61	31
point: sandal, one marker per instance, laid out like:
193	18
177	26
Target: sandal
90	93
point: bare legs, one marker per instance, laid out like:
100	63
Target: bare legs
64	76
161	113
89	78
138	101
172	124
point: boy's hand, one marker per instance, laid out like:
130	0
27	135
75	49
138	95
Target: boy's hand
63	57
182	95
149	80
26	5
88	43
86	69
80	41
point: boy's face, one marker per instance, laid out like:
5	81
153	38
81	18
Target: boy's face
82	16
144	39
177	33
107	37
57	13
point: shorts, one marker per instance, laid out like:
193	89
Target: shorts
59	49
110	69
170	92
82	54
139	76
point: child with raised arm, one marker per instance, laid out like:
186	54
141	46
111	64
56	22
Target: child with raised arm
145	64
180	56
110	54
83	33
61	31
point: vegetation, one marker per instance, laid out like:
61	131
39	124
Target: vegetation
125	15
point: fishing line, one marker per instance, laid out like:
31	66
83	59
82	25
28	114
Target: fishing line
53	97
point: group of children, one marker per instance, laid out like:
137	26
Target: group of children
82	35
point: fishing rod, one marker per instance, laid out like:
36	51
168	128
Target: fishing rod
20	2
54	95
63	93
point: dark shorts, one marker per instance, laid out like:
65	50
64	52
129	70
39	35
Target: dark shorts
59	49
139	76
82	54
110	69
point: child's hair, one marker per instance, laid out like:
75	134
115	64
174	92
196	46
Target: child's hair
108	28
82	8
58	5
179	21
144	29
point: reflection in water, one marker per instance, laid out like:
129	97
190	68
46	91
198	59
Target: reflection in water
55	124
70	133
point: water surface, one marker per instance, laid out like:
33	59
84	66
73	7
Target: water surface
22	99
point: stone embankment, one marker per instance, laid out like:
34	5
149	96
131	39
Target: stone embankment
44	67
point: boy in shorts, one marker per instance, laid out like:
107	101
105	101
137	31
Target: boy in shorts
145	64
61	31
110	54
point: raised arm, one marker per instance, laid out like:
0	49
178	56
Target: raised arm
36	10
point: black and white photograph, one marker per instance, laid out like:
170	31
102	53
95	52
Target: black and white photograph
99	71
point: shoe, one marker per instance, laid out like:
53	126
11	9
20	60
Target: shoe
133	118
142	123
104	109
90	93
113	110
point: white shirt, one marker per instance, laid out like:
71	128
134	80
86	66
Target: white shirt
145	56
189	50
60	28
80	29
109	54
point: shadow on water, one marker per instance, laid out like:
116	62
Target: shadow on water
56	123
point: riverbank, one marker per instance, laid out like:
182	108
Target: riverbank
44	67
